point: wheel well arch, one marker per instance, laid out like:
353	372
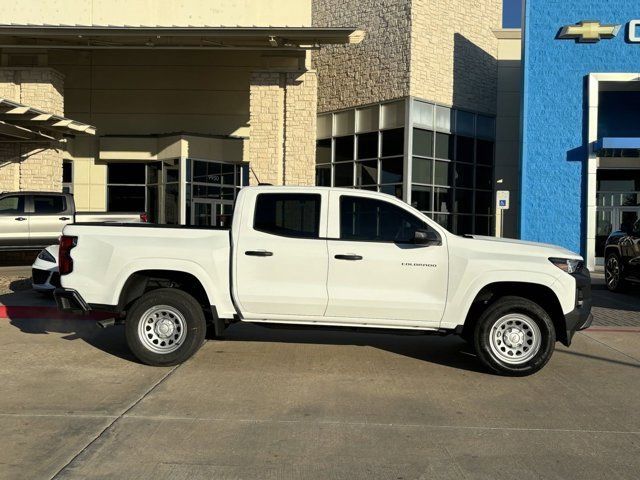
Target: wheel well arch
143	281
540	294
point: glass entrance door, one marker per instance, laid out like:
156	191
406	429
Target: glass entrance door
211	213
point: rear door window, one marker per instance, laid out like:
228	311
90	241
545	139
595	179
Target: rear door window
288	214
12	205
49	204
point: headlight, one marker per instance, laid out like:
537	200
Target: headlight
46	256
567	265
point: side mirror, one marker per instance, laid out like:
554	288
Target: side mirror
426	238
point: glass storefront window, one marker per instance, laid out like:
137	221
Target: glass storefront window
343	174
367	119
324	126
368	145
422	170
391	170
423	114
393	142
465	123
343	149
444	146
392	114
422	142
367	173
323	151
344	123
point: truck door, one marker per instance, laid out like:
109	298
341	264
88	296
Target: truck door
376	272
280	268
14	222
50	214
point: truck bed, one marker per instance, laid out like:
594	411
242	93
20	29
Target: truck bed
107	255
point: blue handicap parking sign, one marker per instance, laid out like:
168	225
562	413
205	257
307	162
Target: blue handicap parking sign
503	203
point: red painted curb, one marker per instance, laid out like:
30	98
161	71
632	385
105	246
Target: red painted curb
49	313
614	330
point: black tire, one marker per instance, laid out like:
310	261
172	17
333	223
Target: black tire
178	310
614	273
526	320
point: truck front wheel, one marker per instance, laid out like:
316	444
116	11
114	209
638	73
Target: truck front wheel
514	336
165	327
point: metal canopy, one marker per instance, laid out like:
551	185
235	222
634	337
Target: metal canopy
192	37
618	147
20	122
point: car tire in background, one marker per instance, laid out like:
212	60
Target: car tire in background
515	337
165	327
613	272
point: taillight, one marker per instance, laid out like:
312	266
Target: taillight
65	262
144	218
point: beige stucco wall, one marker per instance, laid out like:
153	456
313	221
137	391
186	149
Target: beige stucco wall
230	13
141	93
32	166
454	52
507	166
376	69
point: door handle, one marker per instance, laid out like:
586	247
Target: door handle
64	218
21	219
350	256
258	253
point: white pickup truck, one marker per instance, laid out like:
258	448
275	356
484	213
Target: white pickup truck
317	256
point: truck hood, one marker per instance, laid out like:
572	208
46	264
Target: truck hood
546	248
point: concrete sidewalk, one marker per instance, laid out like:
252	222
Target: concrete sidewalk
271	404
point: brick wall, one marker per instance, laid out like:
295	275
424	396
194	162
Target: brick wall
376	69
281	145
32	166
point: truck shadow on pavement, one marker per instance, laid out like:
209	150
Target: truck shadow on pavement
109	340
448	351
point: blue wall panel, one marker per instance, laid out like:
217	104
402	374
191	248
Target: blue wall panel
554	128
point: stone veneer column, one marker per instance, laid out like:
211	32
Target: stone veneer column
266	120
32	166
301	102
281	146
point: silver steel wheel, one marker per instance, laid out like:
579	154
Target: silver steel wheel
515	338
162	329
612	272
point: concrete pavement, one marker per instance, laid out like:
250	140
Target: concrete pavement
285	404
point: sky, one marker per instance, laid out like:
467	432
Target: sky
511	13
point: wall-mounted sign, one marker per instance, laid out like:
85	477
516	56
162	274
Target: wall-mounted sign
502	200
633	31
589	31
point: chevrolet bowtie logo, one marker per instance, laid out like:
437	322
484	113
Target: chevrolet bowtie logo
589	31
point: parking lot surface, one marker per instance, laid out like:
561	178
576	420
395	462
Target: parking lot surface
313	404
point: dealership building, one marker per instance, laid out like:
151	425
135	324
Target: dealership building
172	108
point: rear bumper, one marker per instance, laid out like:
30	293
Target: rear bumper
580	317
69	300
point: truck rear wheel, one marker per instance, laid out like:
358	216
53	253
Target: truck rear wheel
165	327
514	336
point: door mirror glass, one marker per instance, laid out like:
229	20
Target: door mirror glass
426	237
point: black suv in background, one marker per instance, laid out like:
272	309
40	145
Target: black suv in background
622	257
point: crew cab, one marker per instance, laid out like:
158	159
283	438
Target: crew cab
34	220
326	257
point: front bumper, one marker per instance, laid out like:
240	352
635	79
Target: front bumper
580	317
69	300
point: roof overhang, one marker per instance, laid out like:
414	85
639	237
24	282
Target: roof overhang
142	37
618	147
21	123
